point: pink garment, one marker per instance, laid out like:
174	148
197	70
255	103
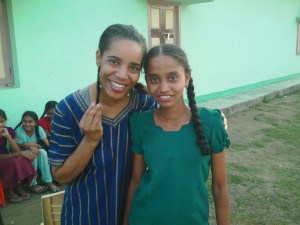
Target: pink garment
16	169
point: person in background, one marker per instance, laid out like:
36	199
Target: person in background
28	136
175	147
15	166
46	118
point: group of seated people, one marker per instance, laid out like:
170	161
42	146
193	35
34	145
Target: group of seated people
24	163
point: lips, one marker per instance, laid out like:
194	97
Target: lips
165	96
117	87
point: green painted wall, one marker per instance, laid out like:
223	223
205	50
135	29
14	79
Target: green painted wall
236	43
55	45
232	45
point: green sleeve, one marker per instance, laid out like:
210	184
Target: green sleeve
219	139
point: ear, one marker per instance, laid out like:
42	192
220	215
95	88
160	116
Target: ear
98	58
187	79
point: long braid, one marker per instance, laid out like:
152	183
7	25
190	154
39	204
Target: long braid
205	149
44	113
19	124
49	105
37	133
98	86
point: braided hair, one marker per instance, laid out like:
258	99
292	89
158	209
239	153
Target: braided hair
178	54
120	32
49	105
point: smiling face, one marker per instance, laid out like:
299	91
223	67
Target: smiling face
120	69
166	80
28	124
50	113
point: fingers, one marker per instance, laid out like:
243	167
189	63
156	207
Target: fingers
31	156
224	121
92	117
3	132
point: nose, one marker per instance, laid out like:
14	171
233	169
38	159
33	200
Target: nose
164	86
122	73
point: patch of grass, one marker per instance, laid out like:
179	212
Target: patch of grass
266	99
238	147
264	180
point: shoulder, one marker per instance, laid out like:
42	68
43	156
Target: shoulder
143	101
70	103
40	129
10	130
43	120
211	118
19	131
142	115
211	114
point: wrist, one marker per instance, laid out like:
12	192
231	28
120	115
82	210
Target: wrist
7	136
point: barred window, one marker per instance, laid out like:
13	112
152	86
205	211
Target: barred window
163	23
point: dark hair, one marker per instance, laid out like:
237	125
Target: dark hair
119	32
3	114
34	116
179	55
49	105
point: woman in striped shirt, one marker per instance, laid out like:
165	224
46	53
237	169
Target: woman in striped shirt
90	141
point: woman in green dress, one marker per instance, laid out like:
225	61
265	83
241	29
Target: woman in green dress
175	147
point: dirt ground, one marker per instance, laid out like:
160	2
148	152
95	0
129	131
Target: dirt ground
244	128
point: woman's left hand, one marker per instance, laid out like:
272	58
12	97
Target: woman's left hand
224	120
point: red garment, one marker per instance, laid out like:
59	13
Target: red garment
45	123
2	198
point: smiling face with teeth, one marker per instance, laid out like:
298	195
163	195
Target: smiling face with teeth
120	69
166	80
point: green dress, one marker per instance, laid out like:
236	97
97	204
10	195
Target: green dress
173	189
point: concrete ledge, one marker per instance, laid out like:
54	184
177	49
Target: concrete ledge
241	101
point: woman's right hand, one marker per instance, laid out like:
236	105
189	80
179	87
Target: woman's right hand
4	132
91	124
29	155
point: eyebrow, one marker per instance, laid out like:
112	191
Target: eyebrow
119	59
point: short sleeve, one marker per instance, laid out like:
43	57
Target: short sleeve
136	143
42	133
62	141
218	137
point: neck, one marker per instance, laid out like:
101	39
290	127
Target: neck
175	116
29	133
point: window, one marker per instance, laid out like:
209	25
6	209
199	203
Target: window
6	68
298	37
163	24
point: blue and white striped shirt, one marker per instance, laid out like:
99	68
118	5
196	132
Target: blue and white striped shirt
97	196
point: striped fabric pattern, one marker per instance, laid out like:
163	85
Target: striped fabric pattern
97	196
